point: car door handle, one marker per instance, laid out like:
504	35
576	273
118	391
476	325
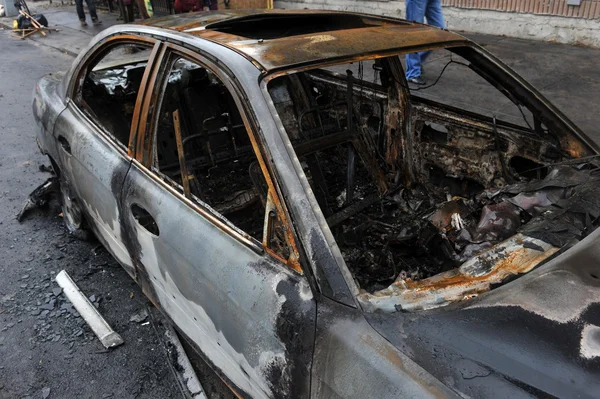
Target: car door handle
144	219
64	144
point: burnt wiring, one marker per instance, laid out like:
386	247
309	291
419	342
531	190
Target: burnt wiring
505	171
436	80
440	76
524	117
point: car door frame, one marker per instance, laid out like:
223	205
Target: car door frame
105	137
142	152
97	50
143	158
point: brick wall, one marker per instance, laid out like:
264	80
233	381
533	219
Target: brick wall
588	9
239	4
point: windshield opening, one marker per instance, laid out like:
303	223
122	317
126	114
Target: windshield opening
431	198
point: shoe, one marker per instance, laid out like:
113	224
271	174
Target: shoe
417	80
83	23
96	22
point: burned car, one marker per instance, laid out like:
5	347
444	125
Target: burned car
314	226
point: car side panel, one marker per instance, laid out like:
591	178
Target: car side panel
353	361
252	318
47	105
91	168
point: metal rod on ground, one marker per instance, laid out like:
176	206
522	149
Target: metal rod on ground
90	314
189	375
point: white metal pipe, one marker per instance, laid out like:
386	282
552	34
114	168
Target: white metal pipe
90	314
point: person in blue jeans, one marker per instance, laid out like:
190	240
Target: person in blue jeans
417	11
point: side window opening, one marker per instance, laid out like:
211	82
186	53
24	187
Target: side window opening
445	71
203	146
110	88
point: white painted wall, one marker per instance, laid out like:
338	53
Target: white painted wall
526	26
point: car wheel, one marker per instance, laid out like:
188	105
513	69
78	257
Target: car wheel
72	214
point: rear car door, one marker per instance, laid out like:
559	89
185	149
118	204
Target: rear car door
211	244
94	131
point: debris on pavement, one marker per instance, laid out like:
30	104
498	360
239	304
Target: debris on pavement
39	197
139	317
27	24
90	314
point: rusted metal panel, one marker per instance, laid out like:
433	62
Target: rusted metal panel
303	49
517	255
343	44
137	110
185	177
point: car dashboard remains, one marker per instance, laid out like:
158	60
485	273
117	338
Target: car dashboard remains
430	205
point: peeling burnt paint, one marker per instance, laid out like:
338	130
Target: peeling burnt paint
522	353
128	236
261	356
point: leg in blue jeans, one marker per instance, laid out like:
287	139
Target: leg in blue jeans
79	8
92	9
417	11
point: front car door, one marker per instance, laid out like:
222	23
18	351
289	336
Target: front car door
94	131
209	233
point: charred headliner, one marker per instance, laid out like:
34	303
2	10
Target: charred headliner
279	39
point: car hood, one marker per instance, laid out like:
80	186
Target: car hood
536	336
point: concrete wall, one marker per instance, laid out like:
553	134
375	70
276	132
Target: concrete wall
9	8
570	30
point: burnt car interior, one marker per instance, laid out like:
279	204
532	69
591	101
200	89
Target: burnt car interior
219	166
110	87
432	202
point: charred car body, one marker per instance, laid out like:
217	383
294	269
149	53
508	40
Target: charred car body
316	228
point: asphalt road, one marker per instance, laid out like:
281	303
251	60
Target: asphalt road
44	347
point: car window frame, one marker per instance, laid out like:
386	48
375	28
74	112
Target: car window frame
73	92
144	154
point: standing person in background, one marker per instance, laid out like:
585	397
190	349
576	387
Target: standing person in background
91	9
417	11
187	6
127	10
195	5
143	10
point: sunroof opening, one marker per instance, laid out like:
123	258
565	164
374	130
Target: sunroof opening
273	26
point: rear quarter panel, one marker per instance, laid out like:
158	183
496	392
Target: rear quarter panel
47	105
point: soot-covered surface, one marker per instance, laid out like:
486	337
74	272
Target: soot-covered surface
415	233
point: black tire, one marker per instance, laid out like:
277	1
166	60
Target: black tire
72	214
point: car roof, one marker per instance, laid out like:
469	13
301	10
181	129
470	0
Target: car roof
283	39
